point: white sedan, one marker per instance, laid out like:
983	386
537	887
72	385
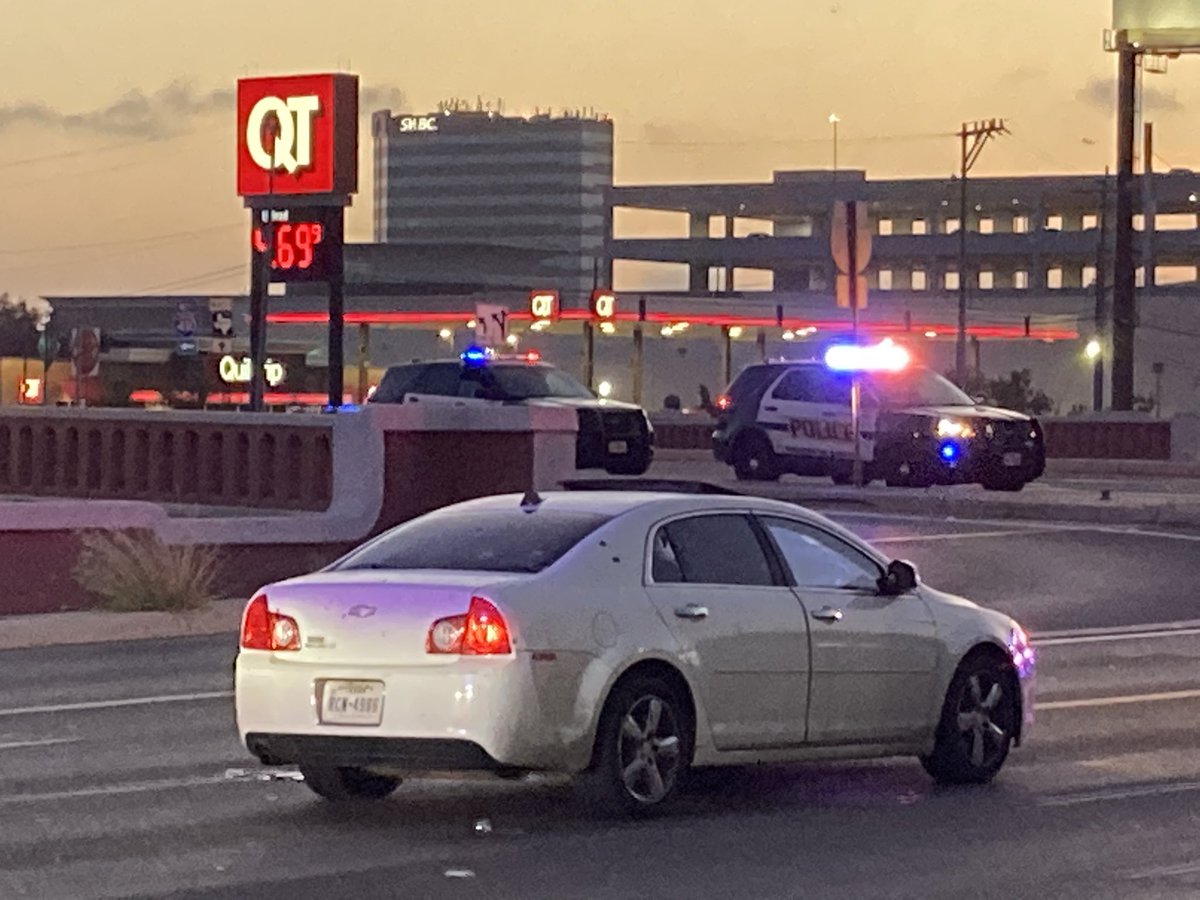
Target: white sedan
623	637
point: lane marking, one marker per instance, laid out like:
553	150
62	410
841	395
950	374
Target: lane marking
1157	634
1102	796
1111	630
115	704
1120	700
137	787
1176	871
48	742
963	535
1019	525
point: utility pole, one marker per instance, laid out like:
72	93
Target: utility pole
972	137
1124	264
1101	319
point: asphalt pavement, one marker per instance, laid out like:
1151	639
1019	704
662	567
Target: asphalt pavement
121	775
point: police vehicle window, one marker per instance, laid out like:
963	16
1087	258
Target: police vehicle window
817	559
527	382
441	380
798	385
918	387
832	389
396	382
721	549
752	379
497	540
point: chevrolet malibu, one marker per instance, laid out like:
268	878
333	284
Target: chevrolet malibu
622	637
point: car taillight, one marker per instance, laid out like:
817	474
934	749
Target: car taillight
263	629
724	402
481	632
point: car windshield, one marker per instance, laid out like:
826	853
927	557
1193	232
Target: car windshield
488	541
531	381
916	387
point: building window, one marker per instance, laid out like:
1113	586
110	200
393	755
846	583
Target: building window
951	225
1054	223
951	281
1139	222
1021	280
1054	278
987	226
885	226
1021	224
987	280
885	279
920	280
1089	276
920	226
1090	220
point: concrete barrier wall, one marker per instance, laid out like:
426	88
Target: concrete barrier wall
223	459
388	465
1066	438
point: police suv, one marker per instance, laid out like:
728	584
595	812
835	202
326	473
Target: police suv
917	429
613	436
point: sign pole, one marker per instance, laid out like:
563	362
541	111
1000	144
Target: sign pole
855	387
260	264
589	355
337	316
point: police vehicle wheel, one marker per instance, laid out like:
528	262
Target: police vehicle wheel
906	474
754	460
1010	483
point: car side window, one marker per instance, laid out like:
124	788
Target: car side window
818	559
831	388
717	549
439	380
797	385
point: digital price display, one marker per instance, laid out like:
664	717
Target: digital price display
307	243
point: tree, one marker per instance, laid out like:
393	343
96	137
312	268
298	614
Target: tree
21	324
1016	392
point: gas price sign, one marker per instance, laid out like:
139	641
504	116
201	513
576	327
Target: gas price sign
306	243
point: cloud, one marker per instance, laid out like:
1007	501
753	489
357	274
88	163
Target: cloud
159	113
1022	76
1102	93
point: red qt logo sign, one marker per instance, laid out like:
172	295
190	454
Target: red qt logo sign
298	135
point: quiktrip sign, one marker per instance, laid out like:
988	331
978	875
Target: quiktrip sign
297	135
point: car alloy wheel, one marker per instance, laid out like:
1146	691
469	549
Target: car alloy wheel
649	750
983	738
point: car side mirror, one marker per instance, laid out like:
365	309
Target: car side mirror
900	578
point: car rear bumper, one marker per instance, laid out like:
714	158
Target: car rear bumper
469	713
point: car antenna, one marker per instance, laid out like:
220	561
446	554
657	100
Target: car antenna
531	501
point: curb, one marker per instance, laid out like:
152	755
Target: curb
100	627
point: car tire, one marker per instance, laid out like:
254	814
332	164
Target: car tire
907	474
341	784
1009	483
754	459
636	463
643	749
978	722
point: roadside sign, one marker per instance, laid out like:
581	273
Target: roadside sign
843	291
187	346
839	237
491	325
221	312
185	320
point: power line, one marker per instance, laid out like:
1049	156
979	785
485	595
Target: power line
92	151
153	239
745	142
199	278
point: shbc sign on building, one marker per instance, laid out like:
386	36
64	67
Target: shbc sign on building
297	168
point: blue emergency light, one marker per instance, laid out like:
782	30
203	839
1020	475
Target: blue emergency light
949	451
885	356
474	356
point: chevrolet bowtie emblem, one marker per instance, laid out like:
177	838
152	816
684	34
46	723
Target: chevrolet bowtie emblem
361	612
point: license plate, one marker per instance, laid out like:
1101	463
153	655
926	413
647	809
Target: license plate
352	703
618	446
1012	459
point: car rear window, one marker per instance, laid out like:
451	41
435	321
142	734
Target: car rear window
486	541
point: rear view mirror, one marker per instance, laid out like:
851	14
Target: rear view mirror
901	578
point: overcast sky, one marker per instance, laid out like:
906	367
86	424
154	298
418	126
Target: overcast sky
117	126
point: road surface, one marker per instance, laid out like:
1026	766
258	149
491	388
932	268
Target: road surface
121	775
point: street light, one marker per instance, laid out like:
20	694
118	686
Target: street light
1092	350
833	120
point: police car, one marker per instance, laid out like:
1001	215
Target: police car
613	436
917	428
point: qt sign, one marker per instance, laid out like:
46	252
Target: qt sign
604	305
297	135
543	305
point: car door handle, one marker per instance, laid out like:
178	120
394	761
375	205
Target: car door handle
771	408
828	614
692	611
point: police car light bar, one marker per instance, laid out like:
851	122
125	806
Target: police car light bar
885	356
475	356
